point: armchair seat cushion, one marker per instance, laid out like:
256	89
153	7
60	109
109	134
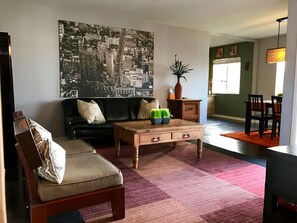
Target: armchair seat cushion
82	174
76	147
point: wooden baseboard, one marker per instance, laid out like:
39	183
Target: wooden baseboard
229	117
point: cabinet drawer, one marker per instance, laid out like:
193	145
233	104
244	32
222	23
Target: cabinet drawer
154	138
191	109
186	135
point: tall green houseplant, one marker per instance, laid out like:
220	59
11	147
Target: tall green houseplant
178	69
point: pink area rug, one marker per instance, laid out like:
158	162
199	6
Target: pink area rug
172	185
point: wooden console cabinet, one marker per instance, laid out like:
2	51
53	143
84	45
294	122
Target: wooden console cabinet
187	109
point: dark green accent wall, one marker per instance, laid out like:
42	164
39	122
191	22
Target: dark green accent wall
229	104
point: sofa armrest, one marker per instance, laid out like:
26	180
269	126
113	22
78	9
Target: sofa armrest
75	120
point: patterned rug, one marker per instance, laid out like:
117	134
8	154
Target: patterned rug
172	185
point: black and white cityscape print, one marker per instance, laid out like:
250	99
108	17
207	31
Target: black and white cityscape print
101	61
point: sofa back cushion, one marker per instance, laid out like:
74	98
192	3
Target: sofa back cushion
116	109
70	107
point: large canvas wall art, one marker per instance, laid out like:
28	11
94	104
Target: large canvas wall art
101	61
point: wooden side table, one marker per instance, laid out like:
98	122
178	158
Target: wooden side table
187	109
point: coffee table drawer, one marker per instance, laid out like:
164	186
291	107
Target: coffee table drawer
186	135
154	138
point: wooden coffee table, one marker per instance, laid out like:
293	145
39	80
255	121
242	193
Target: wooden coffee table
138	133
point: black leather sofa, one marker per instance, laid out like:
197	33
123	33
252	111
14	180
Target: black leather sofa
113	109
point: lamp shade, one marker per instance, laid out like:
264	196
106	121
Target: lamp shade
275	55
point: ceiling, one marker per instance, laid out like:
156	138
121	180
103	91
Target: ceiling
227	21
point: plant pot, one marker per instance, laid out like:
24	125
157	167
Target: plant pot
165	121
156	121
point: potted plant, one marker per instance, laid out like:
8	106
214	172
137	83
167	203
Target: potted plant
156	116
179	70
165	115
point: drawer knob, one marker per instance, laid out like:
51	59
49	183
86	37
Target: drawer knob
186	136
155	139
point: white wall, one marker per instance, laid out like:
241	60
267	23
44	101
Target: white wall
288	133
35	56
265	76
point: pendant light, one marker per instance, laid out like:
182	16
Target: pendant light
277	54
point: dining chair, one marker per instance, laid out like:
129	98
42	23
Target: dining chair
276	114
256	110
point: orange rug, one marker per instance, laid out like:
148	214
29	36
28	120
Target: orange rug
254	138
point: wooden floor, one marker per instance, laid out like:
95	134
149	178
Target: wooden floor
17	212
212	139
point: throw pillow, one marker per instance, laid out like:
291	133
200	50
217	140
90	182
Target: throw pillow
90	111
53	157
39	132
146	107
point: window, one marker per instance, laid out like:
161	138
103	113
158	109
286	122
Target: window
226	76
279	79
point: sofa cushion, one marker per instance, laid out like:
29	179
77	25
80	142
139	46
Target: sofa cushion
69	106
75	120
104	133
116	109
146	107
90	111
83	174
